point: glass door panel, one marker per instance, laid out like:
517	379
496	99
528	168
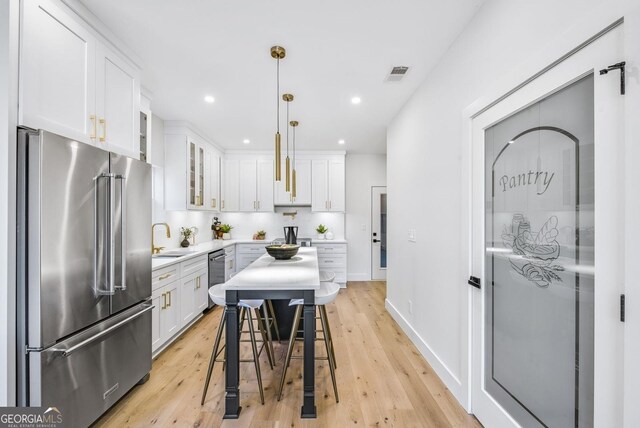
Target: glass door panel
200	198
192	174
540	260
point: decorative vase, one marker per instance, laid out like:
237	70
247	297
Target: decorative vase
226	236
328	235
320	236
185	243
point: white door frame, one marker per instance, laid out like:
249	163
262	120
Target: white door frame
377	273
608	331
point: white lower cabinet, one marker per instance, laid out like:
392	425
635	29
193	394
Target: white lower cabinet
180	294
332	257
229	262
165	320
248	253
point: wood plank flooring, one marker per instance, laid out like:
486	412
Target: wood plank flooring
382	379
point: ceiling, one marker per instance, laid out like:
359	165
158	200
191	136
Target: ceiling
336	49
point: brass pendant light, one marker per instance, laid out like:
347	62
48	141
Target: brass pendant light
278	52
288	98
294	124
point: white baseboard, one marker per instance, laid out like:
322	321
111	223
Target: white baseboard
358	277
446	375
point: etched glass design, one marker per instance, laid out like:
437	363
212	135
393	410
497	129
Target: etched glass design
539	196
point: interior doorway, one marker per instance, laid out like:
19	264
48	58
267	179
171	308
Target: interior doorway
379	233
547	240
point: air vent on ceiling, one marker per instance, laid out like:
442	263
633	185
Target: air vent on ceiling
397	73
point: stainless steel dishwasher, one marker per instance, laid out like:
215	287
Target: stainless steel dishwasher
216	270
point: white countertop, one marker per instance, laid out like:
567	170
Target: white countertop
217	244
299	273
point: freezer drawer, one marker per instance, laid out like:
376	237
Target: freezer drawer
86	374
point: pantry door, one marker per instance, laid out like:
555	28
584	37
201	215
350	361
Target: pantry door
547	245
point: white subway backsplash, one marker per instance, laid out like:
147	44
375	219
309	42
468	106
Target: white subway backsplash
246	224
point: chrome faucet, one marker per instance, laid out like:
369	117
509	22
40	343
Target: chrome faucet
154	249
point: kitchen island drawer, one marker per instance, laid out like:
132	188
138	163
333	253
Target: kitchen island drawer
165	275
192	266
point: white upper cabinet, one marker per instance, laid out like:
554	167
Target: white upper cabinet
247	184
303	185
212	186
57	72
264	185
73	84
230	198
191	171
118	103
248	177
328	185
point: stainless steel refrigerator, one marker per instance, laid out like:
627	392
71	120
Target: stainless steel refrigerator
84	267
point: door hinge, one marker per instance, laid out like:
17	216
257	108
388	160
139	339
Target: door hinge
474	281
619	66
622	308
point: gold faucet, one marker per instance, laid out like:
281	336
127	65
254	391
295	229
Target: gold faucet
154	249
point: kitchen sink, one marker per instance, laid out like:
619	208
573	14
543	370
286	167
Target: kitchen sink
173	254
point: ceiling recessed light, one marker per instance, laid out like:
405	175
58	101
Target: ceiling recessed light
340	141
356	100
209	99
246	141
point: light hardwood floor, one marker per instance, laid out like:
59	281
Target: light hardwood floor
382	379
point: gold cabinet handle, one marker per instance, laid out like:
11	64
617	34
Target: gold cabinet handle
165	276
213	202
103	122
164	300
197	283
222	204
169	304
92	118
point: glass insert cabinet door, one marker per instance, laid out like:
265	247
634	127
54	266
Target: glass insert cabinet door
539	260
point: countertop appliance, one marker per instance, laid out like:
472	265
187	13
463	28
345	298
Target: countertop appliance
290	234
84	275
216	270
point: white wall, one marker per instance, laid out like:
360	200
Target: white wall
362	172
245	224
428	141
8	116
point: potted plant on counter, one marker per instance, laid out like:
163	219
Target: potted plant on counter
259	235
321	230
186	233
226	231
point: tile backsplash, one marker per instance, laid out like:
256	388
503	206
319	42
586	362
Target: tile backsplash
246	224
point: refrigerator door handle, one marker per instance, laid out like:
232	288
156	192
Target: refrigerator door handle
111	234
123	233
102	227
74	348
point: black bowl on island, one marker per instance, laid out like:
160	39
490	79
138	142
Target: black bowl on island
282	252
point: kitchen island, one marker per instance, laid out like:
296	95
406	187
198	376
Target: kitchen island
268	278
